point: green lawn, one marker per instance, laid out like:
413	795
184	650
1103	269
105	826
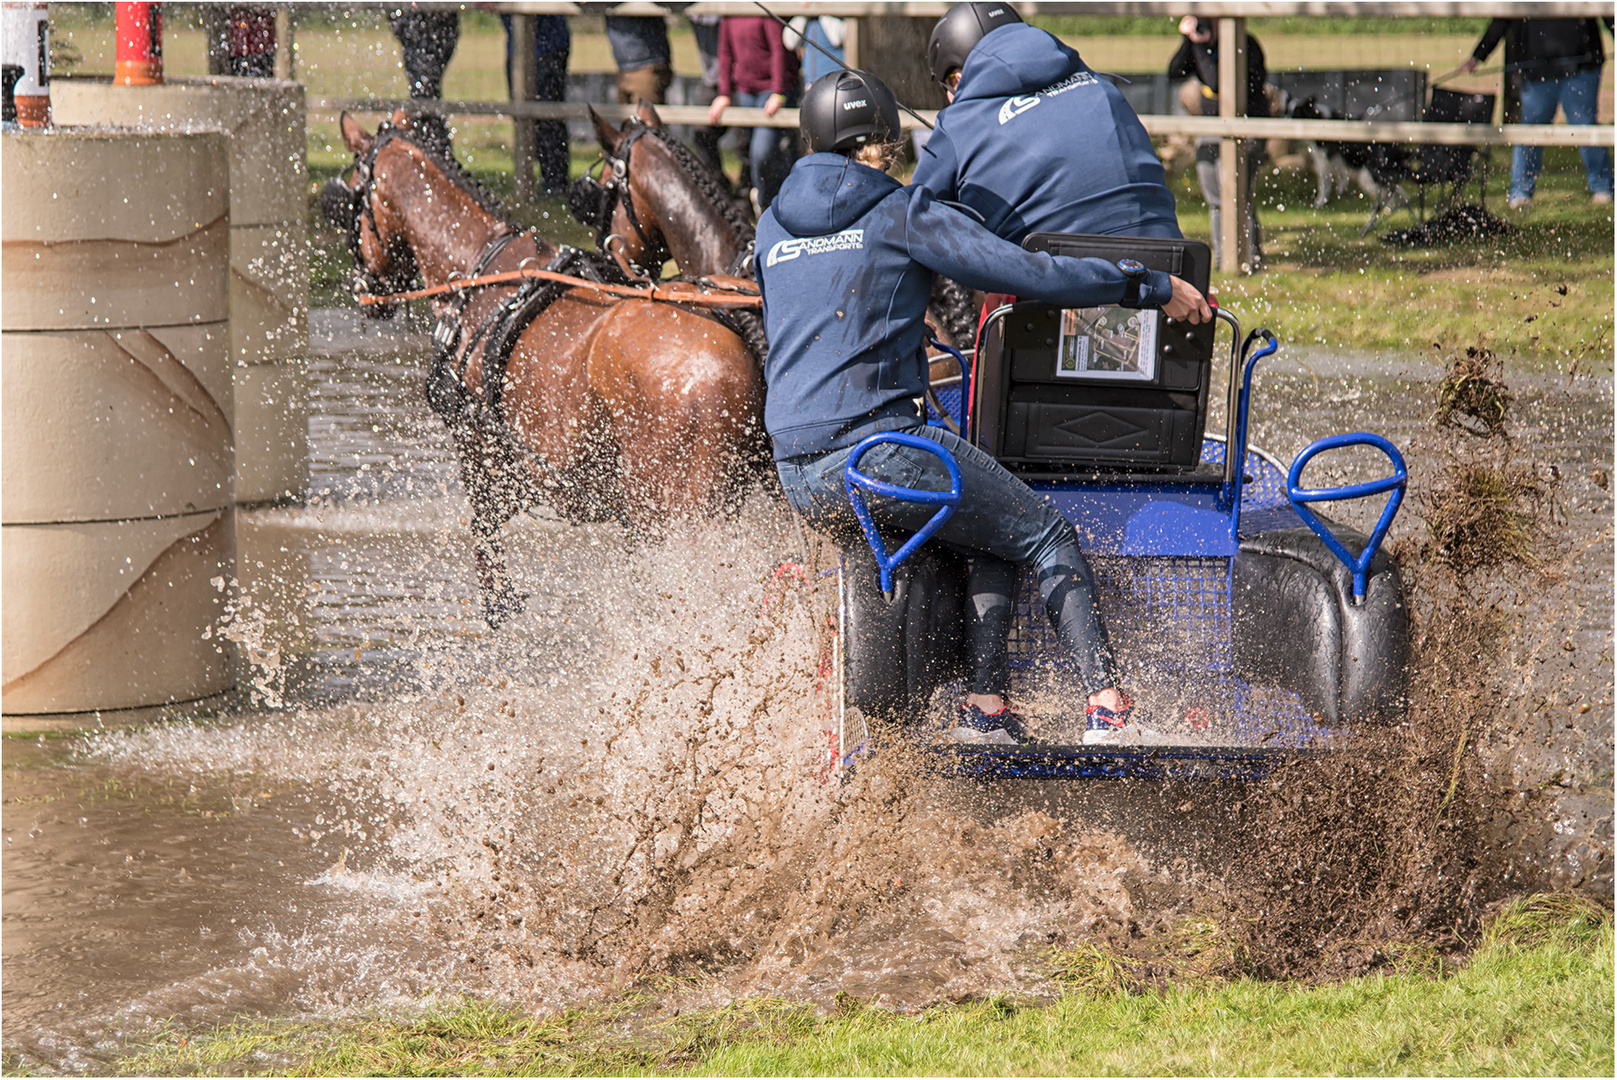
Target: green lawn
1535	998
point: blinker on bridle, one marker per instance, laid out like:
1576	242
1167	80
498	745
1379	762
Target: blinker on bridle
591	201
348	207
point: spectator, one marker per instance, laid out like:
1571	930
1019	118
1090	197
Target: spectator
428	37
552	47
252	41
705	140
756	69
1198	57
640	49
1559	62
826	31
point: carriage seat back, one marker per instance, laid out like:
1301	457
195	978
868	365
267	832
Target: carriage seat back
1059	392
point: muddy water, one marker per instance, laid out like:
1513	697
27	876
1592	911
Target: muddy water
626	778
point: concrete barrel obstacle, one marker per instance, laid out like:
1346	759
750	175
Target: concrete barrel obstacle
117	448
269	261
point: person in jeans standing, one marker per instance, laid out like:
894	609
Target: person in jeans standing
640	49
1559	62
1198	58
552	47
756	69
846	257
427	38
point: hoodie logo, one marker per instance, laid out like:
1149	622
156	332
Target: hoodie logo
1016	106
787	250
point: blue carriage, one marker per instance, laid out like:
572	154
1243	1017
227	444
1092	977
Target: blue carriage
1247	625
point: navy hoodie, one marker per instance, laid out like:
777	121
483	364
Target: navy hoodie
1035	141
845	258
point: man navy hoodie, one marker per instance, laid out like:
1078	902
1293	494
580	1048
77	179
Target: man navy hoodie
845	261
1035	141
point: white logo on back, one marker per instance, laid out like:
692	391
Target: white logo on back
787	250
1016	106
861	103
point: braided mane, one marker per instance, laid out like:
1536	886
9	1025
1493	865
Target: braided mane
712	187
453	171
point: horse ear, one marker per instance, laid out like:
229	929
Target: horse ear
609	135
353	136
400	119
648	114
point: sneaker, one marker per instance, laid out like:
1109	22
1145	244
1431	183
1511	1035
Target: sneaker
1003	728
1601	198
1519	202
1108	728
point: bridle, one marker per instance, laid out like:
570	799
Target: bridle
348	207
593	201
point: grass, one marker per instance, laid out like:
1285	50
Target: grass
1534	998
1540	298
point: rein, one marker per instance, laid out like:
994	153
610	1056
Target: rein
735	295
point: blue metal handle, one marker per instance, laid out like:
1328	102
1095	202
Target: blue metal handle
945	501
1232	492
1396	483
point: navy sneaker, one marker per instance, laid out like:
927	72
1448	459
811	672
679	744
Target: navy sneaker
1003	728
1109	728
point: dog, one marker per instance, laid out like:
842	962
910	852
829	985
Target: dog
1375	167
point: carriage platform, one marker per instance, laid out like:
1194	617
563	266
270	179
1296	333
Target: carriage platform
1248	629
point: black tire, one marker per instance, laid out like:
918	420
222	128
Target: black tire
898	649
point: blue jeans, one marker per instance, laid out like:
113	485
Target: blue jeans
1579	95
1000	523
770	150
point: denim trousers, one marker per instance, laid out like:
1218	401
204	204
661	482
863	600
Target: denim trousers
1579	95
770	150
1000	524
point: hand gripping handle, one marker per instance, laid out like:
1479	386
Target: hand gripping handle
857	483
1396	483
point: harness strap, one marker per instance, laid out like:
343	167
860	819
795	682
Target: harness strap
708	294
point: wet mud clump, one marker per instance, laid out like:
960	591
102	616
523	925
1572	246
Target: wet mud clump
1408	838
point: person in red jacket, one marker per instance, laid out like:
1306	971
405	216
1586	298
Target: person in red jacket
757	70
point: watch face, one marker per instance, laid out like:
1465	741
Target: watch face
1131	267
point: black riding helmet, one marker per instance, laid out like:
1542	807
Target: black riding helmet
846	109
958	32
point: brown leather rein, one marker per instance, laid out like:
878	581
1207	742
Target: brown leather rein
735	292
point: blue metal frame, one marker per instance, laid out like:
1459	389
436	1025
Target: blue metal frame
1173	539
945	501
1396	483
1034	762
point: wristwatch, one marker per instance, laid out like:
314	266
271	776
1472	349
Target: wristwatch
1135	271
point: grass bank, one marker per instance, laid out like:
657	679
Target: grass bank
1534	998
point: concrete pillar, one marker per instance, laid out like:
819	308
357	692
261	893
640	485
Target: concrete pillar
116	449
269	291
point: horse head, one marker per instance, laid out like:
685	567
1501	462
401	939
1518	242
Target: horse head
407	209
384	262
655	200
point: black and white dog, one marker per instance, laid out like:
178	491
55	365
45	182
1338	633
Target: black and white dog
1376	167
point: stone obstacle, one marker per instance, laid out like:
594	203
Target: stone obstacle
269	260
117	453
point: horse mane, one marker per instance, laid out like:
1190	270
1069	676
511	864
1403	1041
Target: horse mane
712	187
455	173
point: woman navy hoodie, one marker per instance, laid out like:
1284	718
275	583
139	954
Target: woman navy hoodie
1035	141
845	258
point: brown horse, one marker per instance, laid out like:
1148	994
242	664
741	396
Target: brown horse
655	200
608	408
